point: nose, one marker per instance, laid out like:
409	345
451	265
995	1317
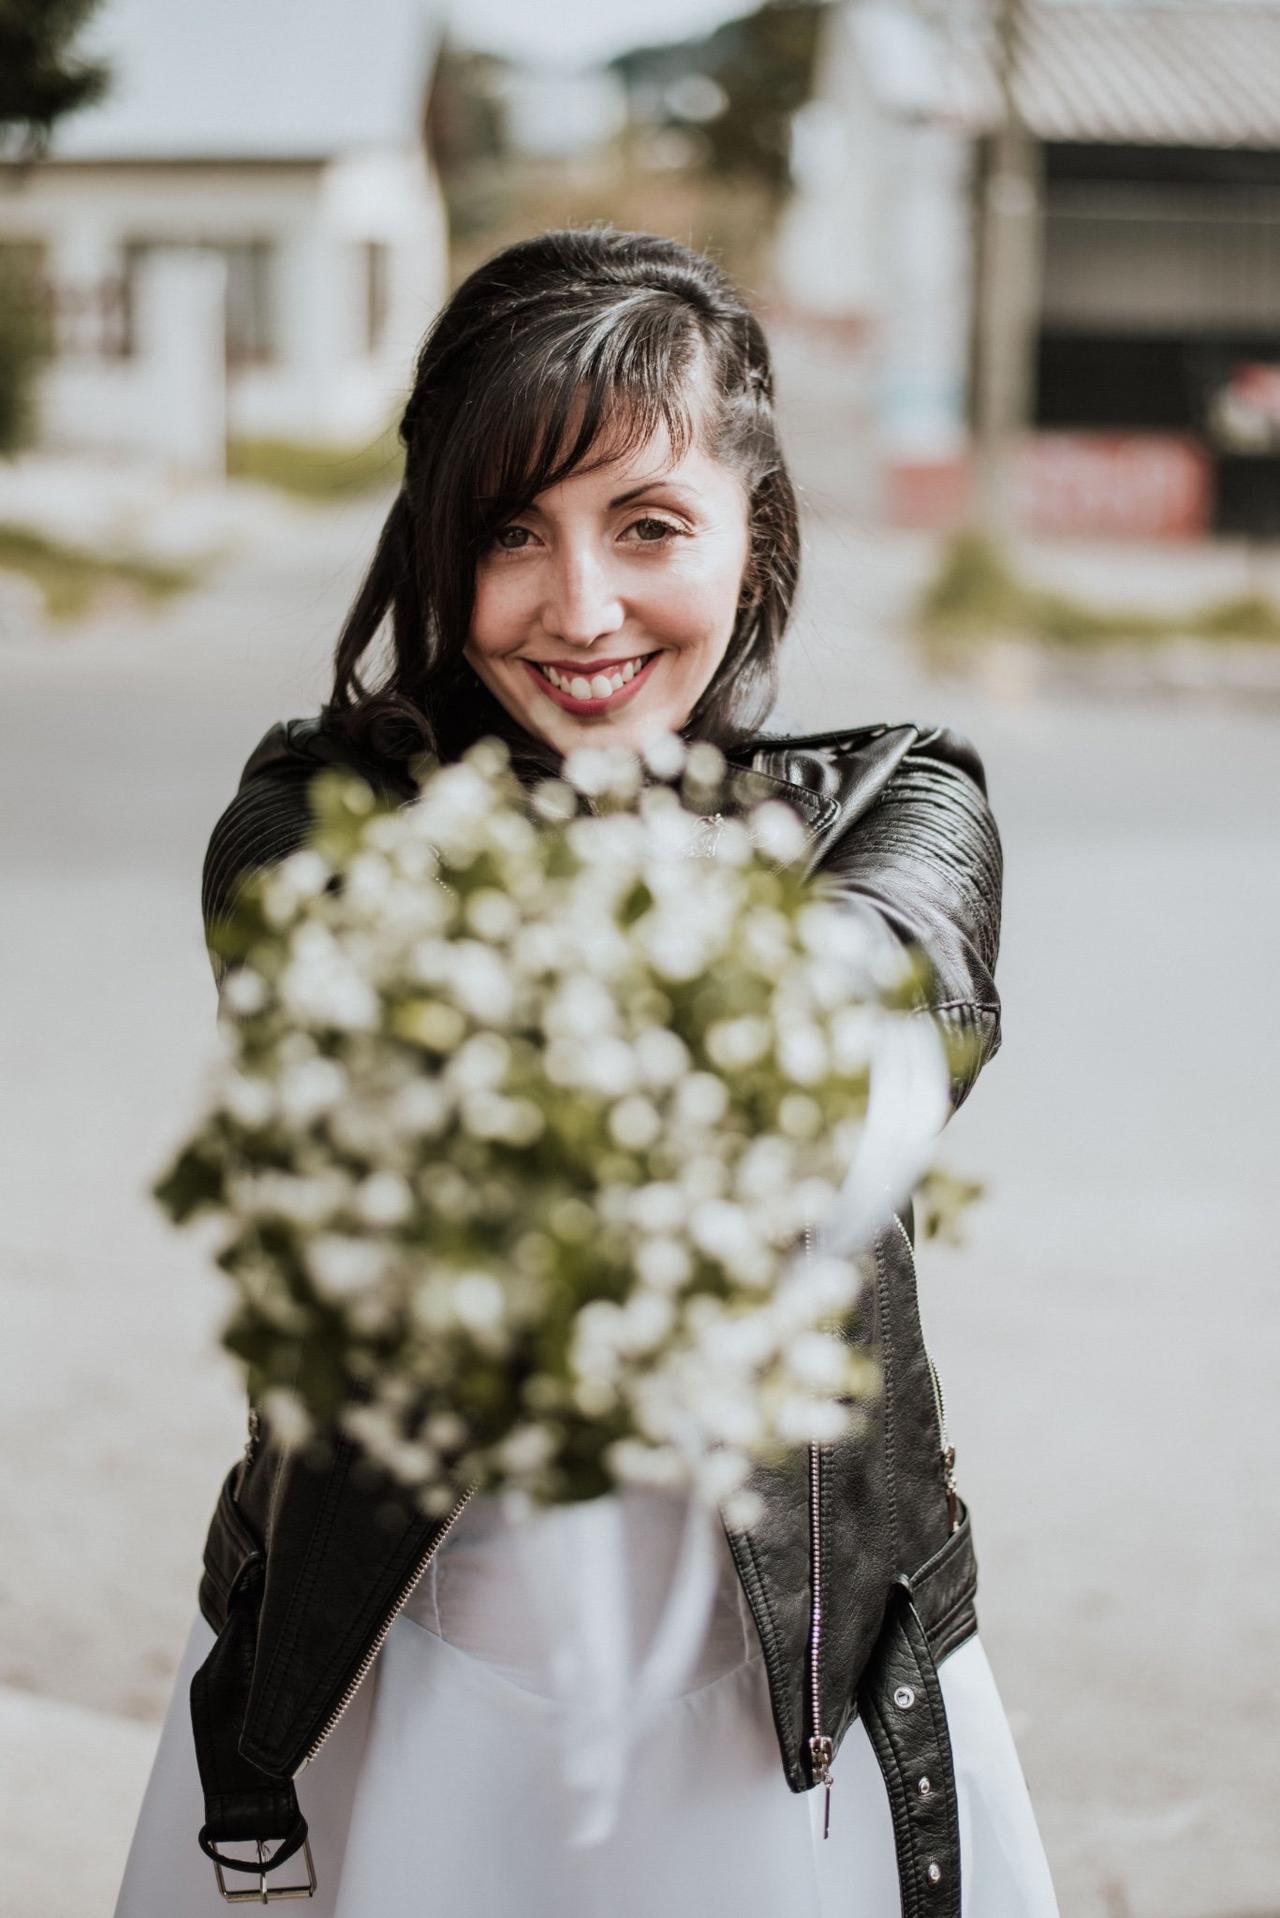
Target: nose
581	603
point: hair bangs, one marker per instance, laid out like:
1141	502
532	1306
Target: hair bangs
597	403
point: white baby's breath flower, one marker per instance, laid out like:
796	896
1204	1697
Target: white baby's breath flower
527	1449
478	1301
437	1500
491	914
802	1419
800	1116
421	1107
705	763
664	1264
658	1206
321	987
734	1043
480	1064
662	1056
251	1102
817	1360
765	937
383	1198
610	1068
701	1099
287	1415
369	879
634	1123
371	1426
244	991
801	1051
304	873
310	1088
633	1462
723	1230
647	1319
721	1473
853	1030
482	982
743	1509
688	1061
665	754
341	1266
778	830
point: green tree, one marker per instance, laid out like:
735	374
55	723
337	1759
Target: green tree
762	64
41	80
41	77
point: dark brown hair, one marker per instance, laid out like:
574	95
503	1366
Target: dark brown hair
616	331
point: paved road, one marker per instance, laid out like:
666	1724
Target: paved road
1109	1339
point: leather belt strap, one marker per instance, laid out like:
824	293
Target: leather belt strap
901	1704
241	1802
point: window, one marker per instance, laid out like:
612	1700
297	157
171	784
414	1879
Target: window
251	329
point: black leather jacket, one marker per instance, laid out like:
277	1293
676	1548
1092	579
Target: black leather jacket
861	1575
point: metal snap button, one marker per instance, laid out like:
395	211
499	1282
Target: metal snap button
924	1787
933	1872
904	1698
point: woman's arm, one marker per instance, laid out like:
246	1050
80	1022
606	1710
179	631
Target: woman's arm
927	856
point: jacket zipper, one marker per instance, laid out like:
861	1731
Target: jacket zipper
821	1748
366	1662
946	1449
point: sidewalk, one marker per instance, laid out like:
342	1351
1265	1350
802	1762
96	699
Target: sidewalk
71	1782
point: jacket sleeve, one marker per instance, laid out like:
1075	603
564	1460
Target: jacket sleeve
268	819
927	857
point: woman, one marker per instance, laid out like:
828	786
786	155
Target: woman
596	540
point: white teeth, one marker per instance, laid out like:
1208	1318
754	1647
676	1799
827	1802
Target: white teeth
600	685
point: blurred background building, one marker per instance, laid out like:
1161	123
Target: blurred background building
1152	296
247	219
303	184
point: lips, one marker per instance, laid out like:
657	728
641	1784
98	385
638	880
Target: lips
592	702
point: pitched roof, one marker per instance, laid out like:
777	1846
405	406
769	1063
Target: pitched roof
254	79
1199	73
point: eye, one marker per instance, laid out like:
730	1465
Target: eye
501	534
665	529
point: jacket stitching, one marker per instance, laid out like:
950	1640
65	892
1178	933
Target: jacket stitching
766	1610
306	1583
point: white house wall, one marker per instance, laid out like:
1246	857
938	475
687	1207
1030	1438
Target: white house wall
878	229
828	253
397	199
321	383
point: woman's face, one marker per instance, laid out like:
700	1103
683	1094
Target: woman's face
624	581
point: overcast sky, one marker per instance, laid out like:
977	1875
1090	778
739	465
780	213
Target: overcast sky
575	32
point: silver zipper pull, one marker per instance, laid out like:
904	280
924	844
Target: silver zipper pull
821	1753
953	1495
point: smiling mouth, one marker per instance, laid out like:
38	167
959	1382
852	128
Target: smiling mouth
583	692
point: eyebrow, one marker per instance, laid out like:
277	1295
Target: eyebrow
656	479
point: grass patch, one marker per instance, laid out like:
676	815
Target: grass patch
319	472
72	578
976	595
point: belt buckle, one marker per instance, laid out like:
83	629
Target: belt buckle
266	1893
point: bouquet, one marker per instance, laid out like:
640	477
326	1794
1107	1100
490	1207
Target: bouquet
526	1129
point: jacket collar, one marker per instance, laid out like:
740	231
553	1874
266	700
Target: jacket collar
827	777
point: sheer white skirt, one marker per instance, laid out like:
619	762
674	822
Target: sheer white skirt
440	1789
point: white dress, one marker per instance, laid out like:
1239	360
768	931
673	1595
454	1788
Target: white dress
440	1789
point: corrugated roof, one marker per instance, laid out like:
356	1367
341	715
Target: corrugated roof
1197	73
254	79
